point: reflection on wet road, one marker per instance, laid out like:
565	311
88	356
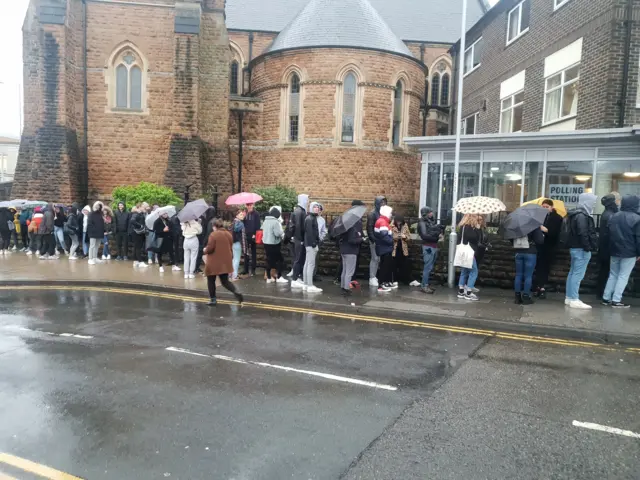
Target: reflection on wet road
114	386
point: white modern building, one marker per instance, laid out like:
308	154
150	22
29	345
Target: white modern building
8	157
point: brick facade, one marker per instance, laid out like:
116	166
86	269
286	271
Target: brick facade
600	24
185	132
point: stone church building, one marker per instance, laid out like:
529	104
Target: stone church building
313	94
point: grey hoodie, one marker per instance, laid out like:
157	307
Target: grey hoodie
587	202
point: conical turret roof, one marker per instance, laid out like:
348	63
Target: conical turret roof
339	23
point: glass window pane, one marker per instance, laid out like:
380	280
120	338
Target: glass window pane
470	125
617	176
552	105
295	84
572	73
293	128
517	119
433	186
503	181
468	60
294	97
518	97
533	180
567	180
444	96
513	24
396	134
505	126
136	88
570	100
397	103
233	78
122	81
435	89
477	53
554	81
526	13
507	102
468	180
348	108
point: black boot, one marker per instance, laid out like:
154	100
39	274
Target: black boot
527	300
239	297
212	302
346	292
518	300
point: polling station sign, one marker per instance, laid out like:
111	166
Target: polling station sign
567	193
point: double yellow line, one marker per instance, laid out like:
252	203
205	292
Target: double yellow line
344	316
32	467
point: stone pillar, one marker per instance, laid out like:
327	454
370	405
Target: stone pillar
49	163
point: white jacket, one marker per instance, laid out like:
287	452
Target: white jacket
191	229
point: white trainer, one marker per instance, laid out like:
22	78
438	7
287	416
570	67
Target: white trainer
92	262
579	305
373	282
297	284
282	280
314	289
270	280
290	274
150	262
142	265
176	268
29	252
161	269
567	301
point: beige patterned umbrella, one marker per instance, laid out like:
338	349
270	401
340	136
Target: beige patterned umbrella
479	205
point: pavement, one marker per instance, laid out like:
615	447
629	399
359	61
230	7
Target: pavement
494	312
107	385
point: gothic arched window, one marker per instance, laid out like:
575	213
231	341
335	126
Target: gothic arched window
397	113
128	81
444	90
294	108
234	78
435	89
349	92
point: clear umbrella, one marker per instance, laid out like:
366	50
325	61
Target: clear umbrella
153	216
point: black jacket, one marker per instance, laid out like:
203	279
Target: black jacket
428	230
122	221
583	231
472	236
251	224
311	231
373	217
72	223
5	217
59	219
536	238
158	228
296	227
553	223
610	209
624	229
95	225
350	242
136	222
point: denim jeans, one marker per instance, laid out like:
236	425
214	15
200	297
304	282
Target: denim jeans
620	270
105	247
579	262
468	276
525	265
237	253
58	232
85	244
429	256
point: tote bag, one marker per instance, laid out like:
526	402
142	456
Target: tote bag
464	254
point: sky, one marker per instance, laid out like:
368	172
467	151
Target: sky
12	14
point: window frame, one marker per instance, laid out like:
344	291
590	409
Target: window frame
397	125
355	116
562	86
463	125
448	102
290	93
513	106
138	61
557	4
521	31
237	82
472	49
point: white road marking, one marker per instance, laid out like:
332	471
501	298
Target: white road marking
328	376
24	329
604	428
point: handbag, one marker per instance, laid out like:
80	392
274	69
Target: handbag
259	237
464	254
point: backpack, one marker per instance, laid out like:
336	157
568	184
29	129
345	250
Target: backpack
565	232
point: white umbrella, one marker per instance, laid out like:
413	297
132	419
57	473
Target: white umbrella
479	205
153	216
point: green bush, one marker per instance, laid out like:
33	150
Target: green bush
145	192
286	197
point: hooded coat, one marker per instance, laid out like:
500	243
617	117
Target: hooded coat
311	228
295	229
610	209
583	229
5	217
122	220
271	228
46	226
624	229
428	230
382	232
72	220
373	217
95	222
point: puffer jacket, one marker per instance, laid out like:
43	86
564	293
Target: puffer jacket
428	230
624	229
583	231
373	217
382	233
610	209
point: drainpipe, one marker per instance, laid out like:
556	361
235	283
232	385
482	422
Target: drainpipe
250	58
426	109
627	59
240	121
86	106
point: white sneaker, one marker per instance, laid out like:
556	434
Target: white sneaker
72	257
142	265
1	252
161	269
290	274
314	289
297	284
44	257
14	248
186	276
373	282
150	262
282	280
135	264
98	261
577	304
305	287
415	283
567	301
54	257
176	268
192	275
37	252
394	285
29	252
270	280
108	257
471	296
92	262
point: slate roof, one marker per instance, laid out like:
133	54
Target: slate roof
344	23
422	20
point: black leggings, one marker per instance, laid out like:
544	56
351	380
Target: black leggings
274	259
139	254
386	268
224	280
166	247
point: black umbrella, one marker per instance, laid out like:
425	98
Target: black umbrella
193	210
522	221
348	219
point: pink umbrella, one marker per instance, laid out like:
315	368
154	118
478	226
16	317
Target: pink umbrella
243	198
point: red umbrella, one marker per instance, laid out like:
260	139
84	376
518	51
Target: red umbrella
243	198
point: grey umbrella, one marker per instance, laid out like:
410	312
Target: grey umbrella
153	216
522	221
348	219
193	210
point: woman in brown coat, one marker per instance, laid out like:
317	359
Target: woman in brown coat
219	261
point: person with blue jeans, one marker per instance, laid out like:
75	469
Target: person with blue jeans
58	229
526	249
624	246
429	231
471	234
239	241
582	241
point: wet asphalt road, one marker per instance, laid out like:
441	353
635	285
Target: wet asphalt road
111	402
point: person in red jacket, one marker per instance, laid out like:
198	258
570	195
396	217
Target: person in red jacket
384	248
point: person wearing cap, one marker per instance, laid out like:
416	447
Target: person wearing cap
272	240
123	218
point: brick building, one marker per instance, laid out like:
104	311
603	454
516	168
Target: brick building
314	94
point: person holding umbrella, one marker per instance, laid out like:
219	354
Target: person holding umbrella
525	228
547	251
348	229
191	228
